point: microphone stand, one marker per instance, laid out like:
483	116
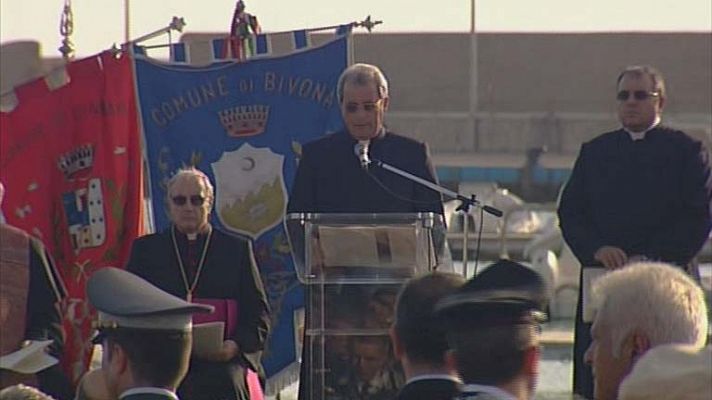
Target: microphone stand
465	202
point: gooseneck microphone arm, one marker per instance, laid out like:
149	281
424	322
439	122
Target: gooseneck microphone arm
466	202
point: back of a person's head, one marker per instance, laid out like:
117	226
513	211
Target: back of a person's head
423	336
143	324
491	355
492	323
159	358
654	299
23	392
670	372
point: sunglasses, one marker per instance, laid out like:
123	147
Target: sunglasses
196	200
639	95
368	107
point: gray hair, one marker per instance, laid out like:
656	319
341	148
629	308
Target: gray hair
23	392
363	75
645	70
656	299
192	172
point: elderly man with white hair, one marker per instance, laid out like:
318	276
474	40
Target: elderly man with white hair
670	372
334	175
637	308
195	261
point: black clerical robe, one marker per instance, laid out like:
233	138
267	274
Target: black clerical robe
649	197
229	272
330	178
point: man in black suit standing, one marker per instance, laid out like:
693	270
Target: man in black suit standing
334	177
419	340
640	192
145	333
330	177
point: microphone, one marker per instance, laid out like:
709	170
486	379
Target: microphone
361	151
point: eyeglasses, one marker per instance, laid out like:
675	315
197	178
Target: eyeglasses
639	95
196	200
368	107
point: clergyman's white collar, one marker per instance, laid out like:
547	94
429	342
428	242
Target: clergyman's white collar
641	135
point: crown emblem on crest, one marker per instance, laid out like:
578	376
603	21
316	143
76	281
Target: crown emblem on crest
76	160
241	121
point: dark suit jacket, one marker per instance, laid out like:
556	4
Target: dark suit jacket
330	179
649	197
230	272
429	389
146	396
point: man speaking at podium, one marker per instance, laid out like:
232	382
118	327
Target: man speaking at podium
335	174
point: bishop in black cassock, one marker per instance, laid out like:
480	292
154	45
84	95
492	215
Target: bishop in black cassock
195	261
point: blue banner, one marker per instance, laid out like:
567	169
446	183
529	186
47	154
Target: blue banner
243	124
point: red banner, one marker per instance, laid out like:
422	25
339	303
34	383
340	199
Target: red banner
71	164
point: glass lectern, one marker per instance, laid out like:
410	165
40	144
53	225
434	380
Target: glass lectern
353	266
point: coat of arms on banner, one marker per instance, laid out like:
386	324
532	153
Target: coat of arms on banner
251	197
85	215
83	206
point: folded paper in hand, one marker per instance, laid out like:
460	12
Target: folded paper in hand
208	338
29	359
225	311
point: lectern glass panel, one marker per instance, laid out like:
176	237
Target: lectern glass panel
363	248
353	266
351	356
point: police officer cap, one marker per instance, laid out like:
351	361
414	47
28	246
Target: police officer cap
504	290
124	300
